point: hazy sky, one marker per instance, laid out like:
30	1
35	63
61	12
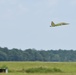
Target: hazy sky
25	24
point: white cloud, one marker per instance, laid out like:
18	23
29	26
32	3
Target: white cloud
72	2
2	1
11	8
53	2
22	8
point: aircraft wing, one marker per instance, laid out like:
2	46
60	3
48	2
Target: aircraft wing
63	23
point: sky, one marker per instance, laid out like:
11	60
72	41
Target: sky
25	24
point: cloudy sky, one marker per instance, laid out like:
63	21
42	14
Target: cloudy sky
25	24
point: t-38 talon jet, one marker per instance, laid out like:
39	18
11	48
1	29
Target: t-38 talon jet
58	24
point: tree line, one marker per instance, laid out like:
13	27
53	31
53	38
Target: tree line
37	55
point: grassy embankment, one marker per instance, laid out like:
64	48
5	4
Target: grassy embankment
51	68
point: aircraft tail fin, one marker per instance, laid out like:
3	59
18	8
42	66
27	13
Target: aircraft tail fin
52	23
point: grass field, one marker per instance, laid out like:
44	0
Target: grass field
19	68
